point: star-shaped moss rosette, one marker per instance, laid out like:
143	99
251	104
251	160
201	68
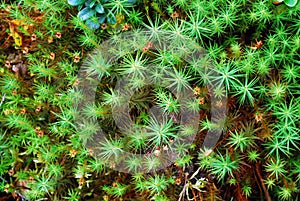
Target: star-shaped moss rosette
97	12
289	3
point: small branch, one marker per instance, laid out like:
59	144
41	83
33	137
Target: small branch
23	198
3	99
258	183
3	180
268	197
181	195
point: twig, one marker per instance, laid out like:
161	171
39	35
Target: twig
23	198
268	197
184	188
3	179
258	183
3	99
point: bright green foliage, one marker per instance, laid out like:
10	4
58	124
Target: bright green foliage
245	90
228	76
247	190
240	141
111	148
72	195
251	56
197	26
117	190
276	168
286	193
185	161
270	182
223	165
160	133
220	165
167	102
157	184
253	156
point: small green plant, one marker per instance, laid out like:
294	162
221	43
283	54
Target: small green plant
240	141
248	53
117	190
276	168
253	156
220	165
247	190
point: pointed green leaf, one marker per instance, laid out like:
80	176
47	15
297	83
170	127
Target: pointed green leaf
290	3
111	18
92	25
76	2
131	1
101	19
92	3
87	3
99	8
86	13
